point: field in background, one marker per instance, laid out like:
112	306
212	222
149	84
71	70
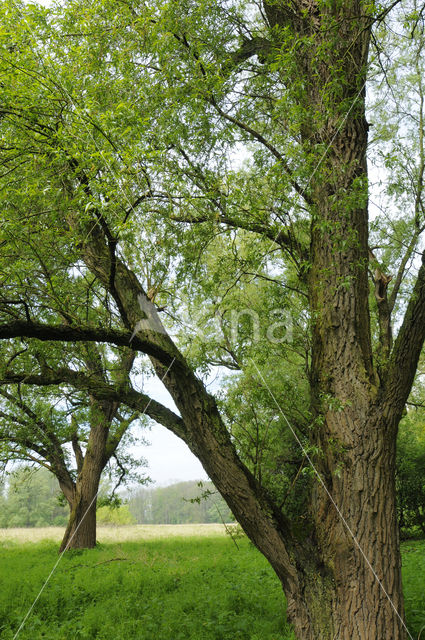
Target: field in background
117	533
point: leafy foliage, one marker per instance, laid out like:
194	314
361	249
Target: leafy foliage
410	476
32	500
119	515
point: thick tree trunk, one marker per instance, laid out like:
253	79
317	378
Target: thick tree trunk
80	532
350	582
346	577
353	589
342	580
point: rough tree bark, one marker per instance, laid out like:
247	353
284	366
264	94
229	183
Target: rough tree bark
80	532
358	431
327	576
331	589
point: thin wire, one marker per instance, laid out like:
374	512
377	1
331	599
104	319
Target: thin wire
280	409
347	526
71	538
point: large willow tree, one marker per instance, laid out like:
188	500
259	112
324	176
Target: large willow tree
122	130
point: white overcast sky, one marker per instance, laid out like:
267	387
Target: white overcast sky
169	458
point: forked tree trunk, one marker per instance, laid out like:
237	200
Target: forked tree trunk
342	578
80	532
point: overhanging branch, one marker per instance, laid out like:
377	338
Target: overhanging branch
283	238
104	391
67	333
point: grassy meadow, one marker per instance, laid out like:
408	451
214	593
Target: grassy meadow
117	533
184	582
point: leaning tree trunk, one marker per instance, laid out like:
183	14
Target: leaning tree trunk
331	590
342	581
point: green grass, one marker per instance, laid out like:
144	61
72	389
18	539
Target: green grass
414	585
187	589
167	589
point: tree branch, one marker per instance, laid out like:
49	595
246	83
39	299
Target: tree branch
136	400
400	273
251	48
67	333
407	348
256	46
282	238
25	455
381	281
266	143
115	438
79	457
52	446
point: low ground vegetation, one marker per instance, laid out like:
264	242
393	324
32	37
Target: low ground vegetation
173	588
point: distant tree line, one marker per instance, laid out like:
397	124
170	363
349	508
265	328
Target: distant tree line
180	503
32	498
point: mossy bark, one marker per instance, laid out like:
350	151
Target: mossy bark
331	589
